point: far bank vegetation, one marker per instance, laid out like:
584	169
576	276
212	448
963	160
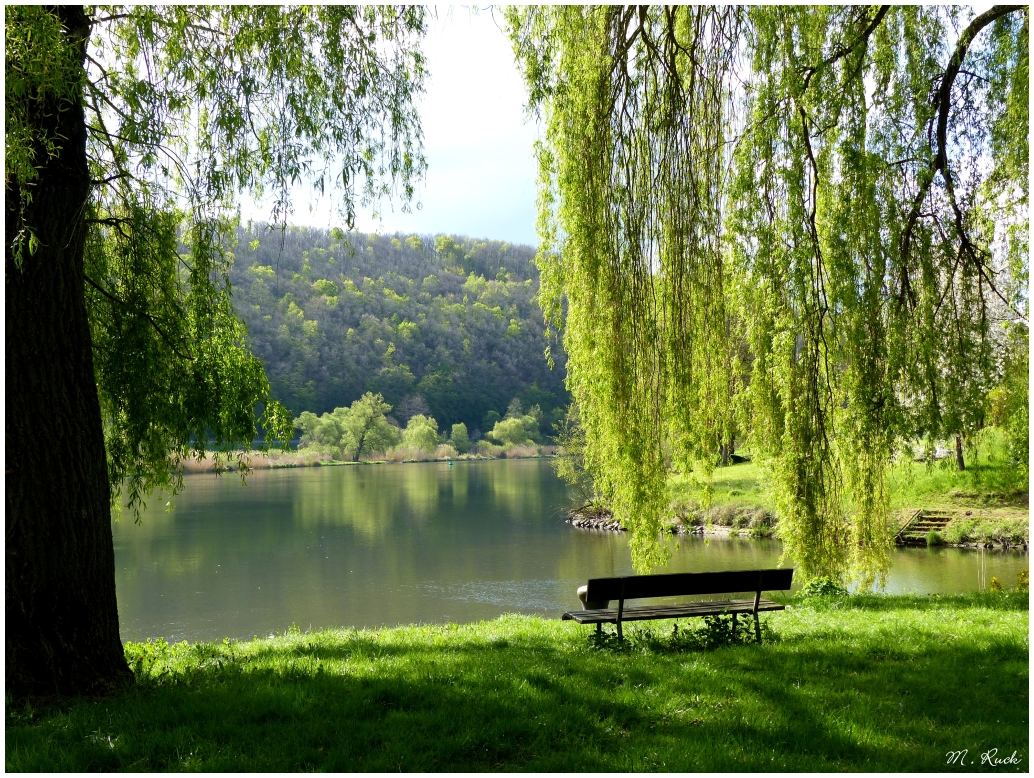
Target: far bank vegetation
367	431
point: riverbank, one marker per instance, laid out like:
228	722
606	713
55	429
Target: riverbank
266	460
989	505
1007	529
865	683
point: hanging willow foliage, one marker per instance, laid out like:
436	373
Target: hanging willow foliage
775	182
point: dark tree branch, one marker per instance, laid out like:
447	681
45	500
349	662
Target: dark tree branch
109	179
942	104
105	19
843	51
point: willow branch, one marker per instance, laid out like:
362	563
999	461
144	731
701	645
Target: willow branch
146	315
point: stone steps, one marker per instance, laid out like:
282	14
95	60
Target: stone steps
922	522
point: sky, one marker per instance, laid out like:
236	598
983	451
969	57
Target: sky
480	180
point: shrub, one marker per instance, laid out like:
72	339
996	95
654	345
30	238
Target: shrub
823	586
486	449
445	451
762	523
407	454
511	432
933	538
996	585
521	451
1023	581
723	516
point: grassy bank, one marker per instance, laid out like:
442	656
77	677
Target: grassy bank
874	683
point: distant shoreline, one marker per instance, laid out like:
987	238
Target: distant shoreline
260	460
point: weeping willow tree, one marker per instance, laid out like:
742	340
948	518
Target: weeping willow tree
833	192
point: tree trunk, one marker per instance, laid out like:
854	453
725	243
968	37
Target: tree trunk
728	449
62	635
958	453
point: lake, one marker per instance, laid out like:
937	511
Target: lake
372	545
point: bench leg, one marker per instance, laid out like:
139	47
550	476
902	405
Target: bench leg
599	628
757	627
734	628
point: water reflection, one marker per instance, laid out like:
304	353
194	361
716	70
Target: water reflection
372	545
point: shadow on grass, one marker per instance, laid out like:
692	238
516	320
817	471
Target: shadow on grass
526	694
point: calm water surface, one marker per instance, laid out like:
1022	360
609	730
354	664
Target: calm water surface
396	544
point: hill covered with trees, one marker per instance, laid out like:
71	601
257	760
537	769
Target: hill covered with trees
445	326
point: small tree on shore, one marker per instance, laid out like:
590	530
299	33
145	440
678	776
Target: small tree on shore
421	433
459	438
513	431
350	432
365	428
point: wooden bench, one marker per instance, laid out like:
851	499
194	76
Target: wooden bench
600	591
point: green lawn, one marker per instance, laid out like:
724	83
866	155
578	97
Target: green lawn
874	683
988	481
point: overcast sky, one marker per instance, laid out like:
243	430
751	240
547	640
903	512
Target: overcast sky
481	168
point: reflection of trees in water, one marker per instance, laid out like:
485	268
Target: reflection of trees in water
370	499
603	553
511	487
214	519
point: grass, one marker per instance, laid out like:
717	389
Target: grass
988	482
739	486
874	683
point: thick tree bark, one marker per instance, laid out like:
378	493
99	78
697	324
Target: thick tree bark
960	462
62	635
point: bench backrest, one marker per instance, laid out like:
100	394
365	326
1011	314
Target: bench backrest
673	584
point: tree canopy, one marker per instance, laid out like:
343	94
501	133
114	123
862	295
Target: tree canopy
421	433
809	223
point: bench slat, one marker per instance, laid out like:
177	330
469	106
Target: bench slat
635	587
689	609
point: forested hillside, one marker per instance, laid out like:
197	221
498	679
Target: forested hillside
445	325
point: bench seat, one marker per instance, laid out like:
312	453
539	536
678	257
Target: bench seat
601	591
684	610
